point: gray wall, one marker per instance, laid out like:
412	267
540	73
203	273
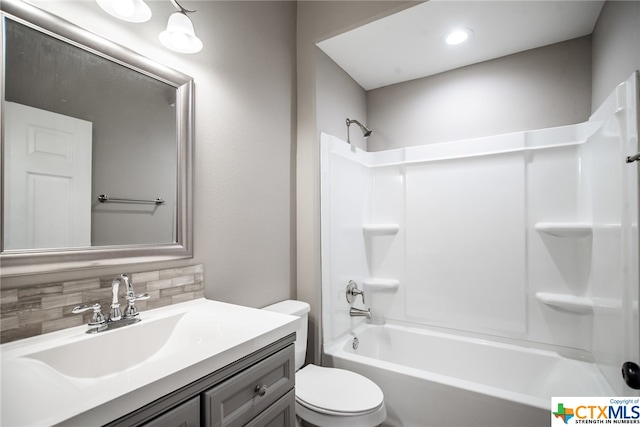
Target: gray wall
616	47
540	88
339	97
244	141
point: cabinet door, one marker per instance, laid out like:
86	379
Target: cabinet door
239	399
186	414
280	414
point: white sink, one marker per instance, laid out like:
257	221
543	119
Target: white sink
77	378
111	352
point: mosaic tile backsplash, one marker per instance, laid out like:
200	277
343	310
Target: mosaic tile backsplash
38	309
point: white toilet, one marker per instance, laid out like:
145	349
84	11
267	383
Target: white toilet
330	397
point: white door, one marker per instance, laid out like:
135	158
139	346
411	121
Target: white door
47	187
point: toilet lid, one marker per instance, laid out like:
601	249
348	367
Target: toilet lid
336	390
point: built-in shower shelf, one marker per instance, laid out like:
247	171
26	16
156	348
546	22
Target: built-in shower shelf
376	284
565	229
381	229
570	303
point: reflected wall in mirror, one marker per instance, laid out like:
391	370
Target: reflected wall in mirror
83	117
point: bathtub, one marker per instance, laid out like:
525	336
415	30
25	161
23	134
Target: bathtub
434	379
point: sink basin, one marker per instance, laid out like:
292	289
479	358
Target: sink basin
76	378
110	352
153	339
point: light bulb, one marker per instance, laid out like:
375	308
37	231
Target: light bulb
458	36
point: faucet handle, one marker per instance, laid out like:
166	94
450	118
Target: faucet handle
353	292
131	299
132	310
98	322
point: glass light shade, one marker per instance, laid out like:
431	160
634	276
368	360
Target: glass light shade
127	10
179	35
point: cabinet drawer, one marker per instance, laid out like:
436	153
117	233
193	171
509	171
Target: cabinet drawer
239	399
184	415
280	414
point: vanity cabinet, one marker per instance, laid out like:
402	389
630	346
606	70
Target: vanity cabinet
257	391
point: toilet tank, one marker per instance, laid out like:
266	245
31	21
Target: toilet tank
301	310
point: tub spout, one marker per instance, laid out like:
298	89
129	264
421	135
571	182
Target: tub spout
358	312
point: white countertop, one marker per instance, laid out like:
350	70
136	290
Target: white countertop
35	394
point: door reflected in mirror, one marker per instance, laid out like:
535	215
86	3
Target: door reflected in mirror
47	178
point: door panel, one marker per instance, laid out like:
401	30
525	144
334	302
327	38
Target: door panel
47	189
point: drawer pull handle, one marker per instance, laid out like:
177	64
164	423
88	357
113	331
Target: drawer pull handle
261	390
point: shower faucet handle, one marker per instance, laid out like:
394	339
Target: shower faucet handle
353	292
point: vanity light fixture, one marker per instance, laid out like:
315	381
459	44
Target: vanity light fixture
180	35
127	10
457	36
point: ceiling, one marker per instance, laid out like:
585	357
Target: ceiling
409	44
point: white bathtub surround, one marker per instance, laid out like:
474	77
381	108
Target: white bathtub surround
527	238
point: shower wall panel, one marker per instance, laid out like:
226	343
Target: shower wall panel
465	243
557	265
386	251
603	160
615	275
346	194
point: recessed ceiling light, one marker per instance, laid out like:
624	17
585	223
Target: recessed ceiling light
457	36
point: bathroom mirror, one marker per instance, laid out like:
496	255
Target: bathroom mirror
96	150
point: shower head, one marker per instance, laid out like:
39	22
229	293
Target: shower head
365	130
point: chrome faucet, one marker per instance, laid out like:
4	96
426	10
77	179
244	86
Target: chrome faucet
116	318
358	312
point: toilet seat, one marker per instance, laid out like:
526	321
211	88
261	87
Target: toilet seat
331	396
